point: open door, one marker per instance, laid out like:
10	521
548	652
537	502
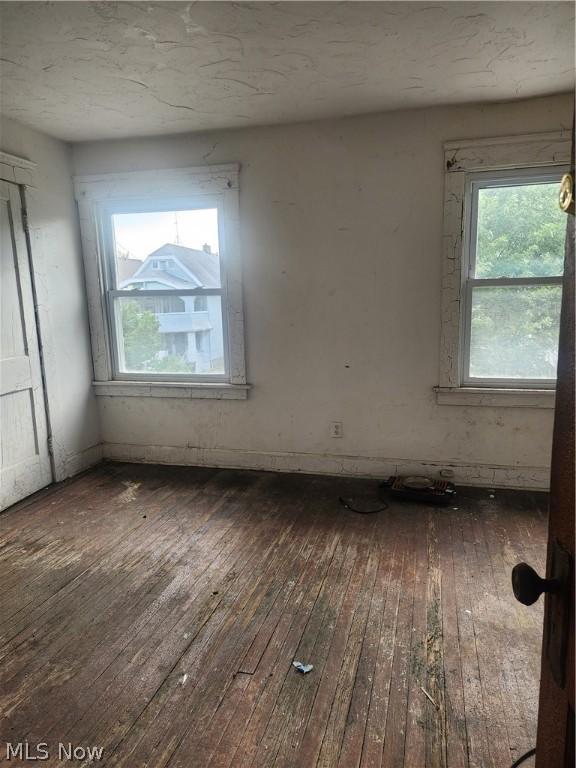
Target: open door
555	741
25	460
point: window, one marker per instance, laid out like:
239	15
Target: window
168	280
515	254
140	323
502	270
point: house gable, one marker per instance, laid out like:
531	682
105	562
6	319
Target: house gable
178	267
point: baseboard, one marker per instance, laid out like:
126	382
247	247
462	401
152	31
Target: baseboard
78	462
491	476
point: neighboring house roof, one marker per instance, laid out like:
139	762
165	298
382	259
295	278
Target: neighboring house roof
127	267
203	266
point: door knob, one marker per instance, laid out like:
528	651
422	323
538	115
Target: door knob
566	195
528	586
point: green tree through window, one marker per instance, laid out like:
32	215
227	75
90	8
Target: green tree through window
520	232
143	342
514	326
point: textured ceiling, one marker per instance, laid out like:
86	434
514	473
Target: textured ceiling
91	70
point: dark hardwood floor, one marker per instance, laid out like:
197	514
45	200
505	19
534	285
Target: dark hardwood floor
156	612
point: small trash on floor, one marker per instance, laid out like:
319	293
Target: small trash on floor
304	668
425	692
362	508
182	680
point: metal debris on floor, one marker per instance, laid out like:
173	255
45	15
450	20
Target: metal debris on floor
425	490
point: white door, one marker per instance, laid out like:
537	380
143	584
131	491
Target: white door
25	464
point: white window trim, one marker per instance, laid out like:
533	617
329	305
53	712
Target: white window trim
495	397
463	160
183	390
95	195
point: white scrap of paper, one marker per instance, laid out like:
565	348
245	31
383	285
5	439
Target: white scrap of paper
304	668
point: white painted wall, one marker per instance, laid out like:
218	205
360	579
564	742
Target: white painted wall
61	294
341	239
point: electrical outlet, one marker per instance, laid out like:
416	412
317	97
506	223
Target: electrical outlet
336	429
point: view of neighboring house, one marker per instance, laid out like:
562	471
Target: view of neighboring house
190	326
126	265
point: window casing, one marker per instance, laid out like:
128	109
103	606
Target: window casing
471	166
100	198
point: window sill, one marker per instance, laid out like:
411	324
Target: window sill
484	396
182	390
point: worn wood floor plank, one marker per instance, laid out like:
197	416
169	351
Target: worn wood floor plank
488	638
418	704
156	612
355	736
395	734
380	698
454	708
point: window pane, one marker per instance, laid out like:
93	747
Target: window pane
521	231
169	334
514	332
167	249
